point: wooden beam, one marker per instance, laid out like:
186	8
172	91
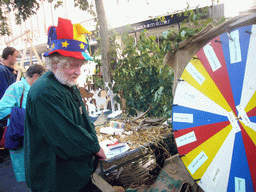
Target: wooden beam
8	42
102	184
33	48
22	62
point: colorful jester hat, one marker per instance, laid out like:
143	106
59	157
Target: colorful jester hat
68	40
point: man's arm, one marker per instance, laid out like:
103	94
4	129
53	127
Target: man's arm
3	84
9	100
55	122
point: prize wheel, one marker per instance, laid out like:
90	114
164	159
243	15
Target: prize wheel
214	113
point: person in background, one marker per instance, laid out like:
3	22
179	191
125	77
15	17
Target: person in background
60	141
10	99
7	77
7	73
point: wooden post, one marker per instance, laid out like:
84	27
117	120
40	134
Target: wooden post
22	62
29	40
31	56
33	48
27	33
102	184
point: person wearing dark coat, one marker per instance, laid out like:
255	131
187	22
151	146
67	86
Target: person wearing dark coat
7	73
60	140
7	77
16	96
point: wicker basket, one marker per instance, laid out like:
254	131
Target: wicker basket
134	168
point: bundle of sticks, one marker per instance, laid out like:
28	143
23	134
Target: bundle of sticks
139	131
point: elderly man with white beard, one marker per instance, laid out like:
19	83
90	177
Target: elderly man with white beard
60	141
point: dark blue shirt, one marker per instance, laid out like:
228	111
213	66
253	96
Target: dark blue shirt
7	77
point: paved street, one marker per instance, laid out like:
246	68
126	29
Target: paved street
8	182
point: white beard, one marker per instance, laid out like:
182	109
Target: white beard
63	80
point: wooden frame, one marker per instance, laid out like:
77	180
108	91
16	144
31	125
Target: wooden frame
29	40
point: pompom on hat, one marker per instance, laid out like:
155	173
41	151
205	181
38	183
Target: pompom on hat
68	40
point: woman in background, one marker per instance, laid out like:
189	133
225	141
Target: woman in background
12	98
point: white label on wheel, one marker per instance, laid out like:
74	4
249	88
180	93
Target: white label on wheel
197	162
239	184
215	176
233	121
212	58
188	96
234	47
243	115
195	74
186	139
183	117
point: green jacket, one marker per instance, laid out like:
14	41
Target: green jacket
59	140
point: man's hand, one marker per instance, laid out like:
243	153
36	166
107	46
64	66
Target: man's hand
101	155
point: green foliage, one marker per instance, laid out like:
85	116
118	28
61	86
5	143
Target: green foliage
142	78
24	8
140	73
113	53
3	25
195	21
98	81
58	4
82	4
